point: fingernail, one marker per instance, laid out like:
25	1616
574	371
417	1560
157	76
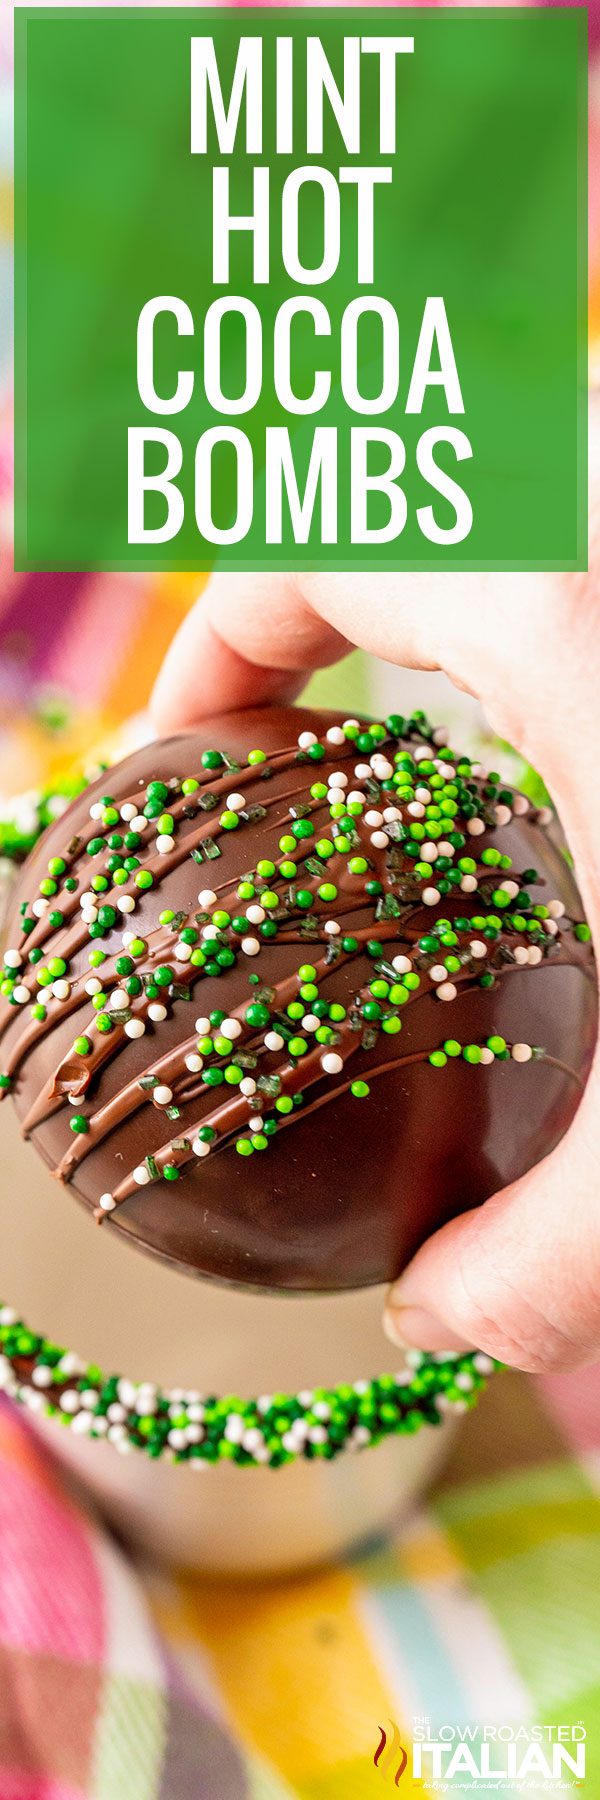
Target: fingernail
418	1329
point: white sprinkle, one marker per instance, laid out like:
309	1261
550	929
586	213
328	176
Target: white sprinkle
165	843
440	735
116	1435
202	1026
511	888
556	909
355	797
362	772
247	1087
126	1392
521	1053
551	927
89	913
475	827
438	973
424	794
106	1202
128	812
430	896
134	1028
483	1364
487	1056
351	724
21	994
416	809
235	802
544	815
338	779
230	1028
422	751
69	1401
534	955
193	1062
82	1424
335	735
373	819
307	738
141	1175
250	946
317	1434
126	903
13	959
331	928
157	1012
210	932
521	954
503	815
93	986
468	884
447	991
61	989
429	852
332	1063
379	840
96	810
310	1022
182	952
477	947
118	998
42	1376
177	1439
256	1122
444	848
382	768
145	1404
139	823
253	1440
40	907
402	965
520	805
162	1095
273	1040
336	796
70	1364
390	813
200	1148
207	898
116	1413
8	1316
255	915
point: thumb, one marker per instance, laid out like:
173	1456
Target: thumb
520	1276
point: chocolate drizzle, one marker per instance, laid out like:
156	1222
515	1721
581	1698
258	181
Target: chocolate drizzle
140	1155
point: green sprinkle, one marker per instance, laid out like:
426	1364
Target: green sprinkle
360	1089
82	1046
79	1124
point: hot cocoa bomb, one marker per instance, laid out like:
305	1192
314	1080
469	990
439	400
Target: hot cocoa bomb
284	995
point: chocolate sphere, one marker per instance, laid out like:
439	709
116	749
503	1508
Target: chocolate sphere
284	995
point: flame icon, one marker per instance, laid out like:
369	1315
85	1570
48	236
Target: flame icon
390	1754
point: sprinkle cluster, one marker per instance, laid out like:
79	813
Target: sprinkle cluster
394	830
185	1426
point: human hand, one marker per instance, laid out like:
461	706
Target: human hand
520	1276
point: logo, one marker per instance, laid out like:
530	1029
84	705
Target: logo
510	1758
390	1757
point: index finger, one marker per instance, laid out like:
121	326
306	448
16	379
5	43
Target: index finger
249	640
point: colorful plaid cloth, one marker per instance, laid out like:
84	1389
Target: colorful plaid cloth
485	1610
